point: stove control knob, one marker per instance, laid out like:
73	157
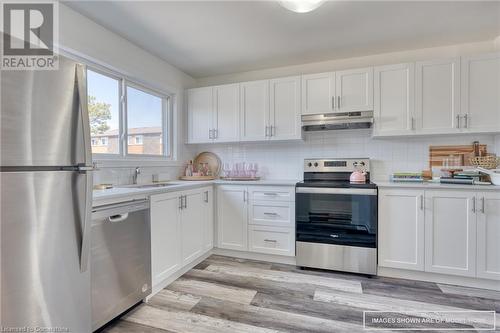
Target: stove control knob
309	164
315	164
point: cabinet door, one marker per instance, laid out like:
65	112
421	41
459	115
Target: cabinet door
401	229
192	229
227	113
488	236
450	232
254	110
481	93
208	215
394	88
232	217
285	108
200	114
437	96
165	236
318	91
354	90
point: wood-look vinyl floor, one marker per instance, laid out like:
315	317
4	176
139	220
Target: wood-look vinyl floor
224	294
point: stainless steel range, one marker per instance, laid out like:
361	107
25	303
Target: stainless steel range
336	221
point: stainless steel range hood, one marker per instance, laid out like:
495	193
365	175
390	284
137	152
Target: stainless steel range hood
337	121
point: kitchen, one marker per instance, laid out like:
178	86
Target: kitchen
232	173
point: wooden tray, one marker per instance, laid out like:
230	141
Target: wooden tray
437	154
197	178
240	178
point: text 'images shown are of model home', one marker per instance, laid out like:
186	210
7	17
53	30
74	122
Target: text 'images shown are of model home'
249	166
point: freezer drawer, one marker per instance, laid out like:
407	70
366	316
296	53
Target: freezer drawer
120	259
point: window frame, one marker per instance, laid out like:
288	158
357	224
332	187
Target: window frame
168	140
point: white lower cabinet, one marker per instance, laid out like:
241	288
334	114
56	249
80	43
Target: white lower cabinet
271	240
488	236
181	230
232	202
165	231
450	232
401	229
453	232
256	219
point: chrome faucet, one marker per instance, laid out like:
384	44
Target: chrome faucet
136	173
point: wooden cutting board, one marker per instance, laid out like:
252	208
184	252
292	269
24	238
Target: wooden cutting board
438	153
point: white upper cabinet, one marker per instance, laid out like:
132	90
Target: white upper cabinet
394	100
254	116
481	93
227	113
450	232
200	114
401	229
284	118
437	101
354	90
318	93
488	236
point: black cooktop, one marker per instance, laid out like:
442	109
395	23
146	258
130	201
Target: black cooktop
334	184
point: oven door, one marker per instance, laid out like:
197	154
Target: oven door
342	216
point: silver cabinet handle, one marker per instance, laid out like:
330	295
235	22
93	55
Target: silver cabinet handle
180	202
206	196
267	131
338	101
483	210
466	121
273	130
422	202
244	196
271	214
210	135
185	202
270	240
271	193
412	123
473	204
216	133
333	102
458	121
118	218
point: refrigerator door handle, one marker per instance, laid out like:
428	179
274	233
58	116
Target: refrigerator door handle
86	225
81	78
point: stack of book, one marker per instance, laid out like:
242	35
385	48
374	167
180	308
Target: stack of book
407	177
462	177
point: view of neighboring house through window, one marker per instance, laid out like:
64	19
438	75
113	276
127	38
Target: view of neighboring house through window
144	114
104	112
144	122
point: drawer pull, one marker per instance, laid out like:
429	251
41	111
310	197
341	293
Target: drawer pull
271	214
270	193
270	240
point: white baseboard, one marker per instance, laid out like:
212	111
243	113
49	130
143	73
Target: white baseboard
439	278
255	256
177	274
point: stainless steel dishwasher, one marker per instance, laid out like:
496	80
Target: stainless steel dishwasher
120	259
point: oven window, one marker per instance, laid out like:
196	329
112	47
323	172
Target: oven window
343	219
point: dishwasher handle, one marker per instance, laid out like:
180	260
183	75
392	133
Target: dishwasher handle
118	218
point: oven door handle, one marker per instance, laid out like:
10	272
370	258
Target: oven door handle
324	190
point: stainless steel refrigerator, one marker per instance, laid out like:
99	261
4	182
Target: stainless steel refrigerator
46	198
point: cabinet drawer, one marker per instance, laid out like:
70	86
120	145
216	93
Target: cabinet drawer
271	240
274	214
270	193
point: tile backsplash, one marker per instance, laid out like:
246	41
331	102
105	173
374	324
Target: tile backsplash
284	160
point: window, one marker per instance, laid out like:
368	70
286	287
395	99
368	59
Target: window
142	118
145	116
104	112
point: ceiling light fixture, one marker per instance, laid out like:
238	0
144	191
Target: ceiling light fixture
301	6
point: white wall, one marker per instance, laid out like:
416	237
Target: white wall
83	37
285	160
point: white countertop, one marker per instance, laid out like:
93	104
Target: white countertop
433	185
120	194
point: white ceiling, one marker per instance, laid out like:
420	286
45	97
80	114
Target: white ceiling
206	38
